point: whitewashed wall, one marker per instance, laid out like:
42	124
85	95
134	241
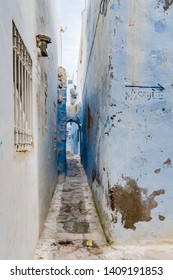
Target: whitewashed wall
27	179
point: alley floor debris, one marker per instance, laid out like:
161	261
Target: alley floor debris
72	230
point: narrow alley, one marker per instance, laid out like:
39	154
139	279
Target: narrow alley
72	230
86	129
72	225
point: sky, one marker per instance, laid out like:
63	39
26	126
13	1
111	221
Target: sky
70	17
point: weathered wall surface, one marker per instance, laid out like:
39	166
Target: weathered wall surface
46	80
61	123
127	118
27	178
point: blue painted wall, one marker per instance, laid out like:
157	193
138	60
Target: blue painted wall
127	126
61	134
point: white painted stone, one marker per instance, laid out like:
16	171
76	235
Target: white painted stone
28	179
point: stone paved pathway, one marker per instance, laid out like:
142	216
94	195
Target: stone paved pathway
72	229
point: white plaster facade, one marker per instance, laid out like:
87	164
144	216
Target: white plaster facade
27	179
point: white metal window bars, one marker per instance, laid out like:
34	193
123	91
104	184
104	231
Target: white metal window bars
22	81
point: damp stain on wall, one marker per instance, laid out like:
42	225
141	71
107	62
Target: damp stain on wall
93	175
96	176
129	202
89	119
167	4
157	171
161	218
167	163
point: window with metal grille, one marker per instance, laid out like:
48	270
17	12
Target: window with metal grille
22	81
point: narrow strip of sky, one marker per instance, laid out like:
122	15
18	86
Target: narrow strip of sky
70	19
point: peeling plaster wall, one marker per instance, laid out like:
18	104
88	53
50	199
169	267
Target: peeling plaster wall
61	123
28	179
61	143
127	147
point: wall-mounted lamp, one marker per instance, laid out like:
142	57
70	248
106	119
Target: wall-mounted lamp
42	41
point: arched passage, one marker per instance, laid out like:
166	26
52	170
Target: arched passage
73	136
65	115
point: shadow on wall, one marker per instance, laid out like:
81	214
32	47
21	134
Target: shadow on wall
61	124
